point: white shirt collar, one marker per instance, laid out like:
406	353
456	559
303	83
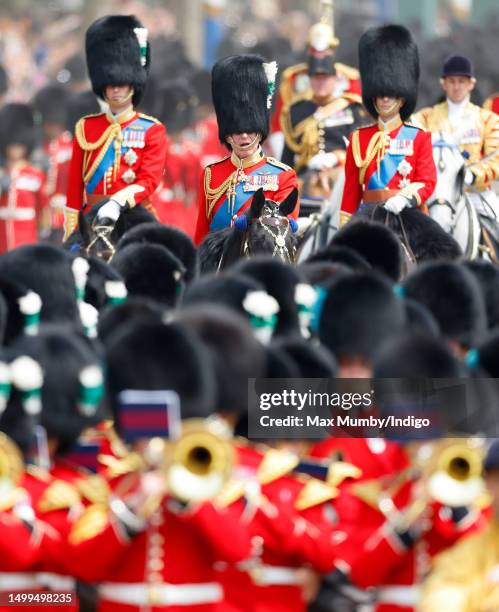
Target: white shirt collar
457	108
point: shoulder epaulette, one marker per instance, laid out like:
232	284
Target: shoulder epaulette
219	161
293	70
341	470
363	127
315	492
59	495
275	464
278	164
352	73
94	489
38	473
149	118
93	521
91	116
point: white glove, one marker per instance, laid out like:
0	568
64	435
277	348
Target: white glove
396	204
110	210
469	177
323	160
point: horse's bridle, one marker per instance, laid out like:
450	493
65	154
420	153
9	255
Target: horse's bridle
102	232
279	236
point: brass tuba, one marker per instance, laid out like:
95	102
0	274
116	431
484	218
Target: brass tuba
200	462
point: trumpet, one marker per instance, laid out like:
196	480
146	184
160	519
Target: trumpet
200	462
456	473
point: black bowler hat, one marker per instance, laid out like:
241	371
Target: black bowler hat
458	65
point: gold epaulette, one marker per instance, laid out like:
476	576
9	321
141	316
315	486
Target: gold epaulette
219	161
278	164
93	521
94	489
351	73
352	97
341	470
315	492
59	495
38	473
231	492
119	467
275	464
153	119
12	498
369	491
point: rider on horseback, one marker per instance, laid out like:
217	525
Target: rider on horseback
389	162
242	87
473	129
317	122
118	155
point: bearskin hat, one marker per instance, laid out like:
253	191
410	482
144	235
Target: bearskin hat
170	358
46	270
63	358
118	54
17	126
376	243
51	103
453	296
312	361
240	90
117	316
174	239
389	66
359	313
151	271
236	354
279	281
487	275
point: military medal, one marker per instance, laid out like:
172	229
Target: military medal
128	176
130	157
402	146
267	182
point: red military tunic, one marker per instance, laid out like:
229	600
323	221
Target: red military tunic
59	152
291	529
382	558
385	160
21	207
227	189
131	176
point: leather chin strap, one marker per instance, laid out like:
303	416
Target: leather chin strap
242	149
396	106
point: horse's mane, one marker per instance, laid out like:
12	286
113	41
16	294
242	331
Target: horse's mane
211	249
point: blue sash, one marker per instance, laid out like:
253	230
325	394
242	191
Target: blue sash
390	162
222	217
108	160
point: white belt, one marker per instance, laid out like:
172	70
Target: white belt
399	595
138	594
18	581
17	214
266	575
56	582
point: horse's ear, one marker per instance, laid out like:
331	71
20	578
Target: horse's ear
84	227
289	204
257	204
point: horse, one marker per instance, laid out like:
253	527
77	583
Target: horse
469	218
97	237
449	205
264	229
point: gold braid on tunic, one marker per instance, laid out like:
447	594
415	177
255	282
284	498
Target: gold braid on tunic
112	133
376	149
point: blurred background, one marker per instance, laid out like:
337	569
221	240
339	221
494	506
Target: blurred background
42	41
